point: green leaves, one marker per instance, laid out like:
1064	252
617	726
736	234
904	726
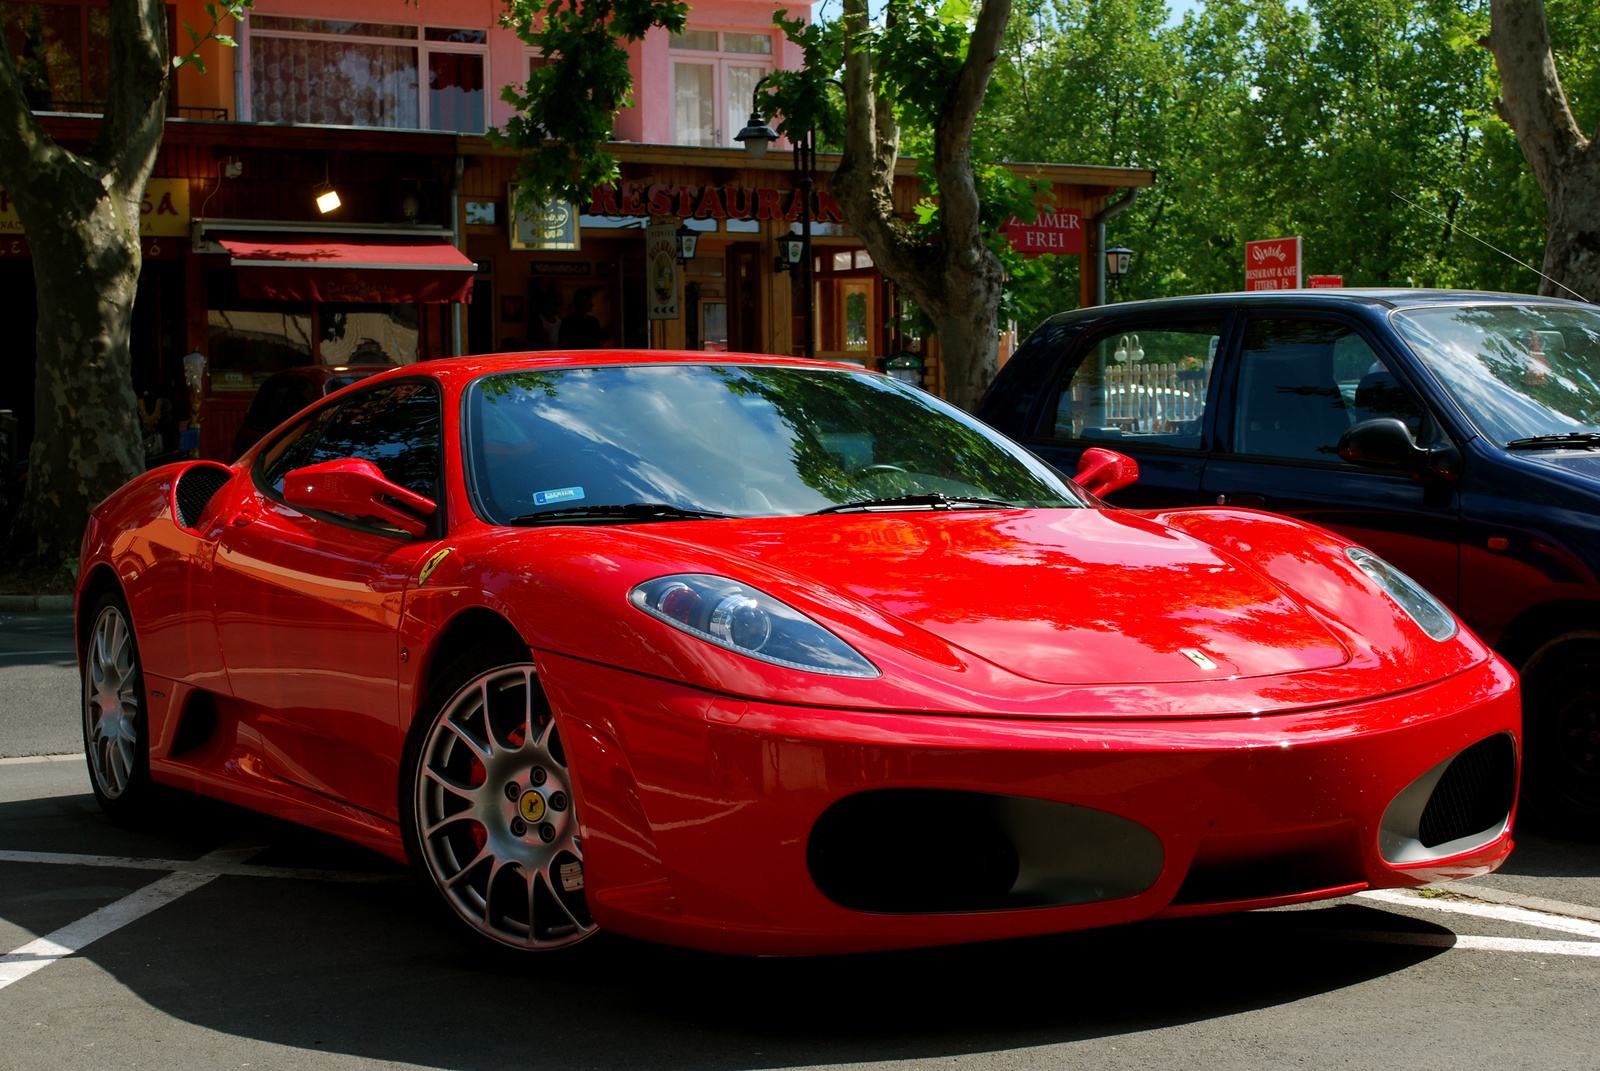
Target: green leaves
567	106
227	9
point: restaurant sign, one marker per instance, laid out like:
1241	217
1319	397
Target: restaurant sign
1051	232
709	202
1273	265
164	212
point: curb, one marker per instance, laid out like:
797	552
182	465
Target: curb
35	604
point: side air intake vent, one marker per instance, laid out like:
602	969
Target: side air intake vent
1474	793
1460	805
196	487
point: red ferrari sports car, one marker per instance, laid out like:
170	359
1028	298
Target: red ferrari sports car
762	655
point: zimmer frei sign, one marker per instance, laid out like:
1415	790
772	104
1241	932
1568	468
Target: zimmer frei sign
1051	232
1273	265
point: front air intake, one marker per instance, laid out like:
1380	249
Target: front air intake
923	850
1460	805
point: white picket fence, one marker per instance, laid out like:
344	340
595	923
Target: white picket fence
1150	398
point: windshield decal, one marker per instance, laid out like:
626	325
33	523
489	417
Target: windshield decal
560	494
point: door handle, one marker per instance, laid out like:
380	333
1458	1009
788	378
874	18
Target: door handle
242	518
1243	501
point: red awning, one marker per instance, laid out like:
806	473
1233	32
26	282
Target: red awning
348	267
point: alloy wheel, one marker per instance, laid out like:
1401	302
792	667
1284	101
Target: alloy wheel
495	815
111	703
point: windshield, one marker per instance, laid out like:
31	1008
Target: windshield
1519	371
740	440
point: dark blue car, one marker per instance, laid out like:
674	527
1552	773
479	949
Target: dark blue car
1455	433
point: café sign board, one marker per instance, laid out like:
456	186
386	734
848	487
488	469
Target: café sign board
164	212
1051	232
1324	282
1272	265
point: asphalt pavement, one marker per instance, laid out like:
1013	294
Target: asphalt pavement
211	937
38	685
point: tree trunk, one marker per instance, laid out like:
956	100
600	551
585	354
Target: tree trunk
1566	163
955	279
80	212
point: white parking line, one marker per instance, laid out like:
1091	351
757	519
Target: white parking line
222	861
1482	944
43	951
1498	912
21	759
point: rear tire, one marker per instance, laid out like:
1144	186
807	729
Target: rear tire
487	807
1561	732
116	724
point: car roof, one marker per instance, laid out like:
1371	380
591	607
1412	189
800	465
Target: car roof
464	368
1325	298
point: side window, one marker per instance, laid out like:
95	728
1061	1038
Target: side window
1140	385
1303	383
396	428
292	451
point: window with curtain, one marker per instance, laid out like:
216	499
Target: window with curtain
714	76
62	52
325	72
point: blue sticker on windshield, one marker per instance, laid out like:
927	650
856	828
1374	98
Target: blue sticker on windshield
560	494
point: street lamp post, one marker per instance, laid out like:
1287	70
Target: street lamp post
757	136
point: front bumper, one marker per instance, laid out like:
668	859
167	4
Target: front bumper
698	809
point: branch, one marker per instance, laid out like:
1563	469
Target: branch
26	149
1533	103
952	152
229	9
136	93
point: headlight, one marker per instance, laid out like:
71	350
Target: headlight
1427	611
740	618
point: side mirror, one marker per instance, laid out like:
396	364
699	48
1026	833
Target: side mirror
350	485
1102	471
1387	443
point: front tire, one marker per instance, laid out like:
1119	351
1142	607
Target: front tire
1561	732
488	810
116	725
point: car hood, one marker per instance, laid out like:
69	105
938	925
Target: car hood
1075	596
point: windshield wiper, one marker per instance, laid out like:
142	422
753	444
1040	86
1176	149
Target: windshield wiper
1589	439
628	511
902	503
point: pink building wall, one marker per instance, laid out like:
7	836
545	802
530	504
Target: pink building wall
650	120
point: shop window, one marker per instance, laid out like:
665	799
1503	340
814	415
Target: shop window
247	341
855	316
62	52
711	95
326	72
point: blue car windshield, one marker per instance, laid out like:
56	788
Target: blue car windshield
1518	371
736	440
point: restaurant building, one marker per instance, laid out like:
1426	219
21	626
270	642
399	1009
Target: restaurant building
417	255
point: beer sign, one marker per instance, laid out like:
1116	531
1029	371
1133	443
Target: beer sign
1324	282
1272	265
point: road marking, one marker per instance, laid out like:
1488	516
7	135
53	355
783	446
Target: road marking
1474	891
220	862
20	759
43	951
1481	944
1499	912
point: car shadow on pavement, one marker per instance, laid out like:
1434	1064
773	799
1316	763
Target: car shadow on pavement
367	969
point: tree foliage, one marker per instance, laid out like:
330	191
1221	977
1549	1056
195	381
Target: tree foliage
566	109
1266	118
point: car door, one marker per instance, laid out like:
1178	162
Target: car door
309	603
1297	384
1140	387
